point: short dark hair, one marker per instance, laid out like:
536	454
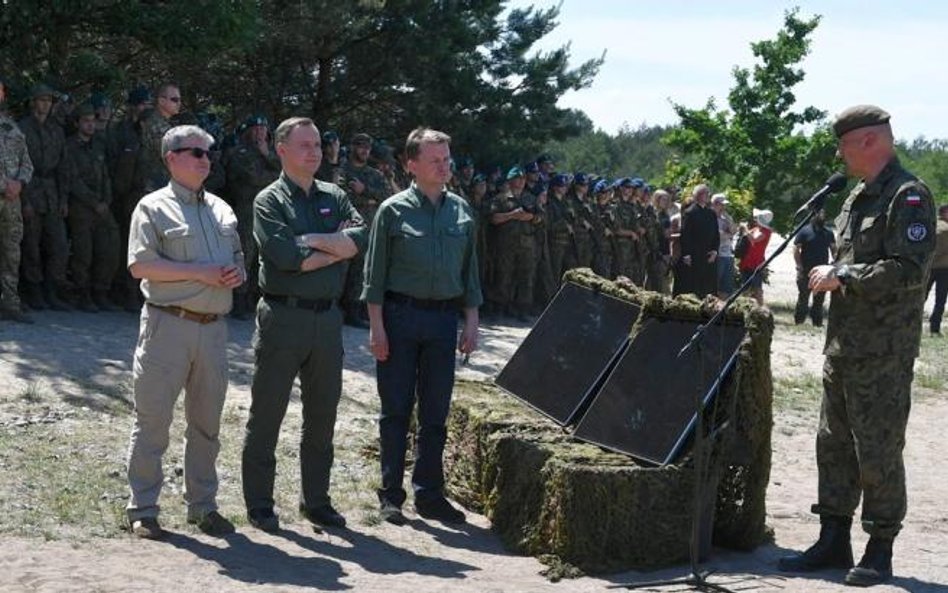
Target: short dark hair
420	136
287	126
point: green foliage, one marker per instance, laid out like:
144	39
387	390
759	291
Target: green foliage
929	160
382	67
635	152
760	143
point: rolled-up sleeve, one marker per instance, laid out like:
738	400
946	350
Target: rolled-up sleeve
376	257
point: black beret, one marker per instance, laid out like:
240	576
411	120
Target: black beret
859	116
361	138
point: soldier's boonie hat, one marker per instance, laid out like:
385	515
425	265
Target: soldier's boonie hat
85	108
560	180
859	116
99	100
514	172
256	120
42	90
601	186
581	179
531	168
360	139
329	136
138	95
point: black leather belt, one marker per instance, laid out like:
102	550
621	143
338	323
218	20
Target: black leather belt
426	304
316	305
202	318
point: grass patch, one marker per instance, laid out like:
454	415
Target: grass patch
798	393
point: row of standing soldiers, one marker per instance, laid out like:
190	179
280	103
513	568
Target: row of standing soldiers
532	230
533	224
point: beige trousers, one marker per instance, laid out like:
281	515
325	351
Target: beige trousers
174	354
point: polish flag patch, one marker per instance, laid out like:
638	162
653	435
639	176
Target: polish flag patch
913	200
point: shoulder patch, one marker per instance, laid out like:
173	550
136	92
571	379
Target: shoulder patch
916	232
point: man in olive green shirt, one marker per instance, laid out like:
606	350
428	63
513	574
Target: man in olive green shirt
305	229
420	270
183	246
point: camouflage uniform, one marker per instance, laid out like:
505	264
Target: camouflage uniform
515	254
562	245
45	231
627	247
248	171
545	283
654	264
152	173
124	149
367	204
15	165
580	214
885	242
96	247
604	225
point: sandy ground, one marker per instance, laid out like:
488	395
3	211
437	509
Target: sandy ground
430	557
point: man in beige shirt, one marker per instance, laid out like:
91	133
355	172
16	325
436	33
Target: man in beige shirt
183	245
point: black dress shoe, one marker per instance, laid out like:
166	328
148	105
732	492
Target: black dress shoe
439	509
264	520
324	516
392	513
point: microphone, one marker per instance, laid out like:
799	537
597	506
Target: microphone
836	182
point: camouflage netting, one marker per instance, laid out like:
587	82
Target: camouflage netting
546	493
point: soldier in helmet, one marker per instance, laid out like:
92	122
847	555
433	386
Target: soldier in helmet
95	234
16	169
45	248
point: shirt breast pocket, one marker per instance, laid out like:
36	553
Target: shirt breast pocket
227	240
869	242
180	243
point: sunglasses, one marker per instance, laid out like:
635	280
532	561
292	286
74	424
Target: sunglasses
196	152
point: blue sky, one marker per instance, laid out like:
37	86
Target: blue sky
888	53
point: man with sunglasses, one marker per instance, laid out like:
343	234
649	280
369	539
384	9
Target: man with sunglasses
184	247
154	125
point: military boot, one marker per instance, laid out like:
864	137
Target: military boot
85	303
103	302
875	566
15	315
55	302
33	297
832	550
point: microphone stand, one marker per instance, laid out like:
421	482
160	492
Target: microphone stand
698	579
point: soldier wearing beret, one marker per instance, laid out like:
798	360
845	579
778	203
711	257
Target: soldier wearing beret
884	246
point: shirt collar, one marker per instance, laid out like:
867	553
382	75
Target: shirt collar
184	194
884	176
421	199
295	190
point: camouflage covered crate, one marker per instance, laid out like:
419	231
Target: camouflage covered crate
548	494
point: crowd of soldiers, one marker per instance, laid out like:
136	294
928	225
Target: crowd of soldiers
86	170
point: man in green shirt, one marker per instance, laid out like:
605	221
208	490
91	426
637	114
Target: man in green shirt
305	229
420	270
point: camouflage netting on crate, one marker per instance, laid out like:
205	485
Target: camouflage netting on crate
546	493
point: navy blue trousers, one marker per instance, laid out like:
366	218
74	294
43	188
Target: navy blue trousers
420	363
